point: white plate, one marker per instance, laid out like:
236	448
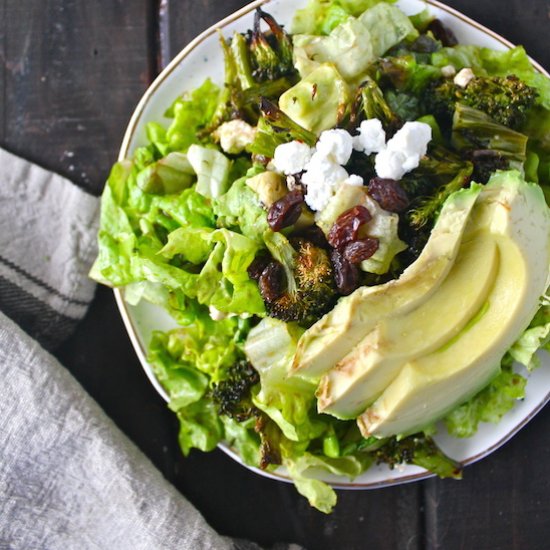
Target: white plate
203	58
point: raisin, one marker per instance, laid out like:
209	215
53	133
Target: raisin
362	249
286	210
346	275
258	264
346	227
388	194
272	282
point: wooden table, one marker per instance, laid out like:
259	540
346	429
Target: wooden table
71	74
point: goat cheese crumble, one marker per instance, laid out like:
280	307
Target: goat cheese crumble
322	166
235	135
403	151
336	145
322	177
371	138
292	158
463	77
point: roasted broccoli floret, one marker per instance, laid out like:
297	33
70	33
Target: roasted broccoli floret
271	53
506	99
439	174
426	209
299	286
256	65
232	394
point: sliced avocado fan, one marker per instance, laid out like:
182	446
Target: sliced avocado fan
514	215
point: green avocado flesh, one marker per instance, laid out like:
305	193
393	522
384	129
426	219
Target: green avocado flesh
360	377
329	340
513	215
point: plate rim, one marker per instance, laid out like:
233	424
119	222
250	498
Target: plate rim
119	292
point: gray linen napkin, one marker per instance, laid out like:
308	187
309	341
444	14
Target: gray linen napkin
68	477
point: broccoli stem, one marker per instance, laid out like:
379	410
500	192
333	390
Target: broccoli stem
282	122
239	49
473	129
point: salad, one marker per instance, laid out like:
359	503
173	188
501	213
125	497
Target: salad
352	235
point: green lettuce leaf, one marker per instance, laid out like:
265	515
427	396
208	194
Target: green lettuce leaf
241	209
489	405
200	427
242	437
223	257
191	113
537	336
320	16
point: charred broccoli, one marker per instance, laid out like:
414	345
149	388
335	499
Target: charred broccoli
506	99
271	53
299	286
232	394
439	174
369	102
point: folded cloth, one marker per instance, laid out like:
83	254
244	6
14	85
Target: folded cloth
48	229
68	477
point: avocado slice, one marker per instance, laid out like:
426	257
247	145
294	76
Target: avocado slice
514	213
334	335
361	376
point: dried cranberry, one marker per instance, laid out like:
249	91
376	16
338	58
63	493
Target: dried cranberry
388	194
357	251
286	210
272	282
346	275
346	227
258	264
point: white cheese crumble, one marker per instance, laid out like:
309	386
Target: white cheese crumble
463	77
322	178
291	158
235	135
324	171
354	179
336	145
371	138
403	151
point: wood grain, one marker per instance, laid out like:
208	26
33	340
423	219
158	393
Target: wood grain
72	75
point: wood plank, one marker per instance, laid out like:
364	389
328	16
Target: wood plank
73	72
3	32
502	502
182	20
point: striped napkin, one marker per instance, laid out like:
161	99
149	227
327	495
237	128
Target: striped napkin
68	477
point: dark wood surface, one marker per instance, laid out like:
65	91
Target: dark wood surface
71	73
